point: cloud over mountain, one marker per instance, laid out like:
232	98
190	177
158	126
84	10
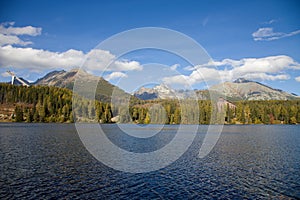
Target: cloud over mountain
13	54
267	68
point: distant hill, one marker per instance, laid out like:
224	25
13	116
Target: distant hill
240	89
58	78
65	79
157	92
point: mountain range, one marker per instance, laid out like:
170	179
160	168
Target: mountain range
66	79
240	89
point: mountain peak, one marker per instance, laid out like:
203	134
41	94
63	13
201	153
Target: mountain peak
161	91
241	80
250	90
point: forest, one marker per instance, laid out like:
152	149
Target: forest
53	104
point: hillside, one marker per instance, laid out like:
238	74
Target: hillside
240	89
54	104
48	104
65	79
243	89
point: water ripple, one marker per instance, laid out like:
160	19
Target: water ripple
48	161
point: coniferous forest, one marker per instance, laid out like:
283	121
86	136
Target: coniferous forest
53	104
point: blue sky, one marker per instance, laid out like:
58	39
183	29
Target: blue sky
244	37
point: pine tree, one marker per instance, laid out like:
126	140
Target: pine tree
177	116
18	114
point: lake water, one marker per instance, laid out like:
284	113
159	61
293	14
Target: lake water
49	161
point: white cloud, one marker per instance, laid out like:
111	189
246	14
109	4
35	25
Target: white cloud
267	77
199	75
39	60
12	39
115	75
267	68
9	35
7	23
125	65
270	21
297	78
267	34
174	67
213	64
178	79
27	30
100	60
271	64
5	74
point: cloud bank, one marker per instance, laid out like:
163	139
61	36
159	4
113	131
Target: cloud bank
267	68
39	60
97	60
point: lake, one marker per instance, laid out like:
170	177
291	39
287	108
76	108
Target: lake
49	161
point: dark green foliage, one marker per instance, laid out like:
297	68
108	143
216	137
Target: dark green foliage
53	104
18	114
48	104
268	112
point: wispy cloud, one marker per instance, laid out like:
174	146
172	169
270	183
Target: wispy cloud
267	34
270	21
205	21
297	78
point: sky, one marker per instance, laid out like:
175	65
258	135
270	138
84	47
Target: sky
257	40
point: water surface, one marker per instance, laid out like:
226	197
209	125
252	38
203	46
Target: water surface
48	161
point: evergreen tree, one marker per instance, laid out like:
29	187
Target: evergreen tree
18	114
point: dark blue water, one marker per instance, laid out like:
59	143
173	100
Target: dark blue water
48	161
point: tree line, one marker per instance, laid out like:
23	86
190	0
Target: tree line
47	104
53	104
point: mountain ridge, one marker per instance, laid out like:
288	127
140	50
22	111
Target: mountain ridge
66	79
251	90
240	89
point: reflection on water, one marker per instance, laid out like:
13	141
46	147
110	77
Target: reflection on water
44	161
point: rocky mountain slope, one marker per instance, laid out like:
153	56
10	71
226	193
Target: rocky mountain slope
157	92
58	78
66	79
243	89
240	89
